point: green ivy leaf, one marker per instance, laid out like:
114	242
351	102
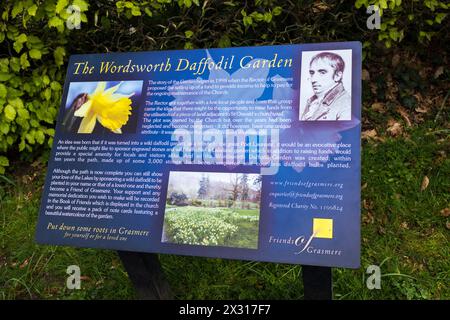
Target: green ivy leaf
186	3
40	137
136	11
10	112
59	55
35	54
4	65
267	17
14	64
4	162
4	76
3	90
188	34
18	8
16	103
55	22
440	17
247	21
277	11
47	94
22	38
359	3
32	10
83	5
4	127
34	123
51	132
23	113
55	85
30	137
46	79
17	46
24	61
148	12
60	5
21	145
224	42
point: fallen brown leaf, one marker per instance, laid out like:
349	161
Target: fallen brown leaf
394	128
448	225
24	264
439	71
425	183
395	60
365	205
418	97
404	225
369	134
378	107
404	115
445	212
37	163
392	89
421	110
368	218
373	88
320	6
365	75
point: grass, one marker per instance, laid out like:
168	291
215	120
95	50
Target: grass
403	232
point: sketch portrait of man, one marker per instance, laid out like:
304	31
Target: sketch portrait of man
329	99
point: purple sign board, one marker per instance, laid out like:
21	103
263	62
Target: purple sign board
246	153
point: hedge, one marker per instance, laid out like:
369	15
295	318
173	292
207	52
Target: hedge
37	36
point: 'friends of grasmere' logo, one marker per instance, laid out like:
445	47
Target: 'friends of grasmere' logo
303	245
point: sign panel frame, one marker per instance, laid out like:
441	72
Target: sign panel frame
246	153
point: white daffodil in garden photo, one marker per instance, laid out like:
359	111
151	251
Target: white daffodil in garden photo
111	109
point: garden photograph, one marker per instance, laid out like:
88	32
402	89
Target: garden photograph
213	209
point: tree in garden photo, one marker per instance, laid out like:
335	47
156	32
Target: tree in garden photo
178	199
203	188
244	189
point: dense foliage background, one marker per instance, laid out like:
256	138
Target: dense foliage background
405	168
37	36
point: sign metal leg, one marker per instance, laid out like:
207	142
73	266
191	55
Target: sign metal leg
146	274
317	283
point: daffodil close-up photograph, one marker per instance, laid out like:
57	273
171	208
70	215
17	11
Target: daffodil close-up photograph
101	107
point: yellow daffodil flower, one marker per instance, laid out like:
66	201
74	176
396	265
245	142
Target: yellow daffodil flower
111	109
